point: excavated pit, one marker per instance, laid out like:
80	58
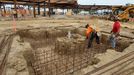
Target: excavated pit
53	53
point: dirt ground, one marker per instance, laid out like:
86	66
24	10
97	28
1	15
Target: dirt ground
19	66
103	25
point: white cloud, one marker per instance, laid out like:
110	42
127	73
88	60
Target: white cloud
105	2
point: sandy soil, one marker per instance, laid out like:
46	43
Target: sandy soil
6	27
127	29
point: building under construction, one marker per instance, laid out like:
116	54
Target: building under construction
50	4
36	40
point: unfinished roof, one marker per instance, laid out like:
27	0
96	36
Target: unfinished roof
40	1
63	1
53	3
94	7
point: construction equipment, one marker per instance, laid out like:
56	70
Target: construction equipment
124	13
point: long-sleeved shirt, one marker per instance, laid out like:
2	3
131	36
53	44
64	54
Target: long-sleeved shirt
116	27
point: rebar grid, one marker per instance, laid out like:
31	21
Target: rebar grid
48	62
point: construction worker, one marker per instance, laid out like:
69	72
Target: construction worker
91	34
115	32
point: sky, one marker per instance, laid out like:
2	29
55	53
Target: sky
105	2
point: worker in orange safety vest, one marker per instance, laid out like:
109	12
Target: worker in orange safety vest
91	34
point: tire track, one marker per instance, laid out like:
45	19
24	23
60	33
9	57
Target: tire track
108	64
129	71
6	45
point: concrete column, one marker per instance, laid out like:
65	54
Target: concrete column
67	9
45	8
29	9
63	11
34	11
4	9
38	8
77	9
49	7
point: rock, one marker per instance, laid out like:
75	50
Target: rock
94	61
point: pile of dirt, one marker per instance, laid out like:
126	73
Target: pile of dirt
70	45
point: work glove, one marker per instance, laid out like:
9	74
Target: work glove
86	37
111	31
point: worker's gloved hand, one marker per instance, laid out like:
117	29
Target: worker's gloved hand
86	37
117	34
111	32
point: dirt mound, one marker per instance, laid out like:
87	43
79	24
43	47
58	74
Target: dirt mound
70	45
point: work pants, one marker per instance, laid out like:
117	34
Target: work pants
91	38
112	40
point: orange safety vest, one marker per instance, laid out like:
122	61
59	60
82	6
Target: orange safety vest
89	30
